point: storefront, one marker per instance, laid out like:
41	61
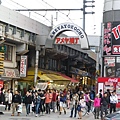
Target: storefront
9	78
54	79
112	84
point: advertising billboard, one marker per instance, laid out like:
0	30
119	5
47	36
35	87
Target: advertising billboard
109	66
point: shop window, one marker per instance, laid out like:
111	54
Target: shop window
8	53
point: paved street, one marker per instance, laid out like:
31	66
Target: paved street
52	116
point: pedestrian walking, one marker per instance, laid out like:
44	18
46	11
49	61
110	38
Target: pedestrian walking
97	103
16	100
104	104
48	98
81	104
37	101
113	102
54	96
75	99
27	101
62	103
68	99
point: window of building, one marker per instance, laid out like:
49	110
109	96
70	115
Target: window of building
8	52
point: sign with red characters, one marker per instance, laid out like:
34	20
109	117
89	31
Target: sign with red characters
23	66
115	38
67	40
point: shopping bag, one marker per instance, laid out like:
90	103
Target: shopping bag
19	109
64	105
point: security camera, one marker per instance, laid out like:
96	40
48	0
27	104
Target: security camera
1	38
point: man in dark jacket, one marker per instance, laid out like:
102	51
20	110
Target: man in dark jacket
28	101
104	104
16	100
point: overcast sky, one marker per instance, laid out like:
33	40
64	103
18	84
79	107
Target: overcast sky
93	22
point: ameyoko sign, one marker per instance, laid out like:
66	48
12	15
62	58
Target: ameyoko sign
55	32
67	40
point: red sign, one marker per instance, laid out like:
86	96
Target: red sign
116	49
107	79
1	85
67	40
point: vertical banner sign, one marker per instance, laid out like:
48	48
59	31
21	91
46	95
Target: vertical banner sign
23	66
107	39
116	38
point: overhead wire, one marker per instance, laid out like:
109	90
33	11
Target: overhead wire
59	11
49	6
33	12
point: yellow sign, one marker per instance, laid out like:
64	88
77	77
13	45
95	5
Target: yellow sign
1	62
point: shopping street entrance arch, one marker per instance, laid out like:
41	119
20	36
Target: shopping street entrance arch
59	29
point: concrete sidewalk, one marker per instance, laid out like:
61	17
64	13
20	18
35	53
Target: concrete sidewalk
52	116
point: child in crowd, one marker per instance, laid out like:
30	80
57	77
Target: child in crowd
81	104
97	106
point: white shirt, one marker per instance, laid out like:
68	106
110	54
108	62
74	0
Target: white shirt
113	99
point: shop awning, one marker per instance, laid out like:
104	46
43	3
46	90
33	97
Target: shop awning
44	77
54	77
47	75
69	78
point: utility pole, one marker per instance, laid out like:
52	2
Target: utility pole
36	64
84	10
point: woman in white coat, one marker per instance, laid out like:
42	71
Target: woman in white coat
9	99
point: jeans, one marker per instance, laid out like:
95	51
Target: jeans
88	106
74	108
27	108
47	108
37	108
104	109
112	107
7	105
97	110
53	105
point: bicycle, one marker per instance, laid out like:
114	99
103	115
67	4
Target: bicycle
85	111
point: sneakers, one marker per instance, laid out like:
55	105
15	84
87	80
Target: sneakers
36	115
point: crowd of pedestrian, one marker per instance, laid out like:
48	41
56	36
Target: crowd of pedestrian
52	100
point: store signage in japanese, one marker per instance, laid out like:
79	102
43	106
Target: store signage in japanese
10	73
23	66
111	43
107	39
67	40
